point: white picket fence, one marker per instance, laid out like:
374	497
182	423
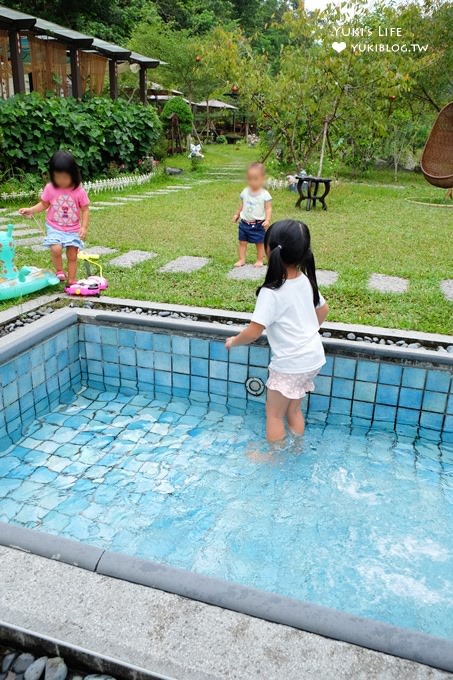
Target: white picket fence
96	186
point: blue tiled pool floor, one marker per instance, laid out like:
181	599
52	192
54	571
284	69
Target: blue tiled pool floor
351	518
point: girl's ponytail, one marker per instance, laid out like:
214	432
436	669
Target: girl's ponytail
309	269
276	270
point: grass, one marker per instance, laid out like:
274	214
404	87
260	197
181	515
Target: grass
369	227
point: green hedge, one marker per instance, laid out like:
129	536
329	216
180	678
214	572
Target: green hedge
99	132
183	111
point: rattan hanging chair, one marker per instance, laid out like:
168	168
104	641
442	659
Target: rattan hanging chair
437	158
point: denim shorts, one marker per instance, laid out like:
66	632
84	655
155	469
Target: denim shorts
55	237
252	233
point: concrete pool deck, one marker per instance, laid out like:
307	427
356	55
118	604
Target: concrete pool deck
174	636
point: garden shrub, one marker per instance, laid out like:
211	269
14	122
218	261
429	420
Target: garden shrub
221	139
100	132
183	111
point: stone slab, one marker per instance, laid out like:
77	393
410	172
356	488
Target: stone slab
247	273
100	250
388	284
32	241
38	249
184	265
98	207
130	199
18	233
447	288
325	277
132	258
106	204
175	636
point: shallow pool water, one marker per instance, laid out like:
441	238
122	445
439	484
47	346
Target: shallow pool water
351	518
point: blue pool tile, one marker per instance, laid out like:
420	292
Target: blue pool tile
144	340
162	378
61	341
146	375
110	353
367	370
363	409
390	374
162	361
344	368
434	401
413	377
22	364
438	381
127	356
450	404
218	387
410	398
387	394
162	342
199	348
111	370
10	412
38	375
199	383
200	367
126	338
36	356
109	335
385	413
10	394
94	367
7	373
237	373
93	351
181	345
448	424
258	372
432	421
181	363
407	416
236	390
364	391
240	355
259	356
217	351
342	388
327	369
146	358
319	403
323	384
50	348
218	370
342	406
181	381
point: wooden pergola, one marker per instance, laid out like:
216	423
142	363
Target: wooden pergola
59	59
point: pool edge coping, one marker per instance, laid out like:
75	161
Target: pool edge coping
381	637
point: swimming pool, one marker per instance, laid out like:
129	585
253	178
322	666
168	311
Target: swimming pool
147	441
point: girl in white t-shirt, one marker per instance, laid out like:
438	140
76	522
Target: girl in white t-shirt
291	309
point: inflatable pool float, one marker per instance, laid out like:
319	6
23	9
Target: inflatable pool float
16	283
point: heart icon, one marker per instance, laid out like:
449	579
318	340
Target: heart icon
339	46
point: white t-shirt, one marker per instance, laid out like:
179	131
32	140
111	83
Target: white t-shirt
253	204
289	316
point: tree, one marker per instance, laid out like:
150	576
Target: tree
178	106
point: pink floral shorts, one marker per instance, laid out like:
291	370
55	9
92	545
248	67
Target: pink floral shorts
291	385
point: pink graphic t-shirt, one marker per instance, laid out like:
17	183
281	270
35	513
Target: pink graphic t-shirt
63	213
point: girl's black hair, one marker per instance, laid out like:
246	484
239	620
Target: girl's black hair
288	243
63	161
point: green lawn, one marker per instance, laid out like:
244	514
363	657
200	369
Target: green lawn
369	227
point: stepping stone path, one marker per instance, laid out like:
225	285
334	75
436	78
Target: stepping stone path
24	232
28	241
387	284
107	204
100	250
247	273
326	277
447	289
130	199
132	258
184	265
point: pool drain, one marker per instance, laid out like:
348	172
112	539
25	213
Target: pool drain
254	386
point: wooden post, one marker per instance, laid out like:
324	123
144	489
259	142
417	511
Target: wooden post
17	65
113	78
76	78
323	146
142	81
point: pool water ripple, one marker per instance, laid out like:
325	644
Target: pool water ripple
350	518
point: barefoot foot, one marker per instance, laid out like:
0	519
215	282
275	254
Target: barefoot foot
240	263
258	263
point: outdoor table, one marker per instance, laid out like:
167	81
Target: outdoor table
312	183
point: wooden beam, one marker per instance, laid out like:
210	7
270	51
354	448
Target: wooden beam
76	78
113	78
142	81
17	65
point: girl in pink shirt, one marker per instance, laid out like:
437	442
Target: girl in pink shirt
66	203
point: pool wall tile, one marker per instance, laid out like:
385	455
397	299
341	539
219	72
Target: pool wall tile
108	358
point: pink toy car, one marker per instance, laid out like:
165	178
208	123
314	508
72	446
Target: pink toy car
93	285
